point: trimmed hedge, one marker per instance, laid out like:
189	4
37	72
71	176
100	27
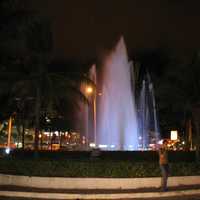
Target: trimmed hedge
92	168
114	164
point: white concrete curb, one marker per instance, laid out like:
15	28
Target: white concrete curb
94	183
99	196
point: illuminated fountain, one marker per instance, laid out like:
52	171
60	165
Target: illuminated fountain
117	127
115	121
147	117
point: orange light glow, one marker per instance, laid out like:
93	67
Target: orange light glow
89	90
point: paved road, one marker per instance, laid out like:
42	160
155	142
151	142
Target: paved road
174	198
175	190
166	198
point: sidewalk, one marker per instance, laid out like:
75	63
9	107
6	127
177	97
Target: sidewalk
188	192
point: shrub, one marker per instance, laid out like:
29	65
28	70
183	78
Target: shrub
91	168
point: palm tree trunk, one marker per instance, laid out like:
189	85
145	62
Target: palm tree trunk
18	134
196	118
37	118
197	140
190	135
23	134
23	128
60	139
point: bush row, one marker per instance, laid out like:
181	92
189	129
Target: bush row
92	167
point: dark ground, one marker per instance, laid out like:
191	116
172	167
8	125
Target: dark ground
94	191
170	198
90	191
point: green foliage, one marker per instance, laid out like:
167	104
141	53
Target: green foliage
92	168
185	169
32	91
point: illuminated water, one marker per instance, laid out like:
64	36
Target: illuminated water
117	126
118	123
147	117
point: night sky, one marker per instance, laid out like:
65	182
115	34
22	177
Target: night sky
83	28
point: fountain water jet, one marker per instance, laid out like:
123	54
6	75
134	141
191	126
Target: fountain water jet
121	124
147	117
117	119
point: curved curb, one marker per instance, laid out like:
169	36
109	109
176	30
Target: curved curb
94	183
99	196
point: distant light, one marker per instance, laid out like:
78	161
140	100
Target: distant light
183	142
89	90
160	141
103	146
56	132
47	119
130	147
140	137
7	150
174	135
92	145
18	144
83	142
40	135
112	146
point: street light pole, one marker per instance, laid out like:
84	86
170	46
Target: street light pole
90	90
95	118
9	132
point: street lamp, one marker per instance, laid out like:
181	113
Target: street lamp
9	135
90	90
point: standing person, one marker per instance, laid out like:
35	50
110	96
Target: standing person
164	165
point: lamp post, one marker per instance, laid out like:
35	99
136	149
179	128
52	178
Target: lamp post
95	118
89	91
9	132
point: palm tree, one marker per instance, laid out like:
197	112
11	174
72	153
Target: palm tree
49	91
25	49
178	93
